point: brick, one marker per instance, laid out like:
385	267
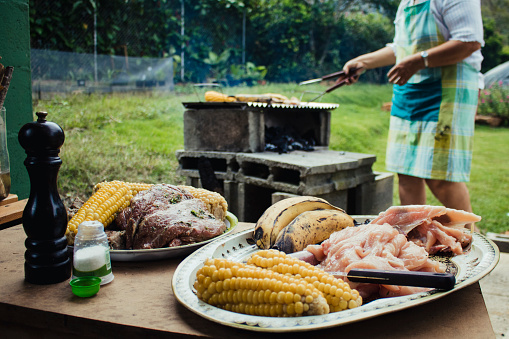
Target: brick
373	197
224	164
305	173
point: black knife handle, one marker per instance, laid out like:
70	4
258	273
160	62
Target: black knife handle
442	281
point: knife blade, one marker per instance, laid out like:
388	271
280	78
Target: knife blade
441	281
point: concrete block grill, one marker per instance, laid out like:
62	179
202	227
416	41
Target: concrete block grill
240	126
230	138
250	180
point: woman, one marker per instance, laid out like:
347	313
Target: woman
436	80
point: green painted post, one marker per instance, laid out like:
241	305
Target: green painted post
15	51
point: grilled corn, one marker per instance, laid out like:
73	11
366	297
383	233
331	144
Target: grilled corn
215	202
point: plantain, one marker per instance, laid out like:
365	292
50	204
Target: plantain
311	227
280	214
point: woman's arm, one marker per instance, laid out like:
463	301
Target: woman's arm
451	52
382	57
448	53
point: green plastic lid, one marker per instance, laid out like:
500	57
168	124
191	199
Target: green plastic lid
85	286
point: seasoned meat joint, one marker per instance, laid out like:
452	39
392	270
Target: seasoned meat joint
179	224
166	216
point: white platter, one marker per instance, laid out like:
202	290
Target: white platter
468	268
169	252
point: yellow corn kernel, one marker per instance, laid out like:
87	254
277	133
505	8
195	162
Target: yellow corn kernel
107	200
215	202
336	292
252	290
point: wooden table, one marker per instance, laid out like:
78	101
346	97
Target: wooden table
11	211
140	303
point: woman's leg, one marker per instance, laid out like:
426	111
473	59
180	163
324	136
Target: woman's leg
451	194
412	190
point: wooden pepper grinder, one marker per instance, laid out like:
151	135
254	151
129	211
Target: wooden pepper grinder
44	217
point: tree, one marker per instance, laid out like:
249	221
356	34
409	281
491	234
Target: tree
496	10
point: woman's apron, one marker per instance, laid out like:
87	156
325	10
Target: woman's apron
433	115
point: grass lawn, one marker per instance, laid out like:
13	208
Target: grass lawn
133	137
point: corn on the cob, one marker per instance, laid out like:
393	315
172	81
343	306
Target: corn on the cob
215	202
253	290
107	200
136	187
338	293
214	96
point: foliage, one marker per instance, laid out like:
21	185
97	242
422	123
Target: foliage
122	27
295	39
492	50
496	10
494	101
248	71
218	63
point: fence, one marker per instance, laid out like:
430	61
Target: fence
67	72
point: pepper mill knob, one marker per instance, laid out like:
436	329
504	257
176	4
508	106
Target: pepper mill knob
44	217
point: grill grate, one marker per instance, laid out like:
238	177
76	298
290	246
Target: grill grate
243	105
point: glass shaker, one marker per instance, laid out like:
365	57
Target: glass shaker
5	173
91	255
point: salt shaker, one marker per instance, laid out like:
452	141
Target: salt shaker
91	255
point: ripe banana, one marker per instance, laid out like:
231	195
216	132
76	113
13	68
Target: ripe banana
280	214
311	227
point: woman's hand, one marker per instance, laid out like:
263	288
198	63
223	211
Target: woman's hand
448	53
353	70
402	72
382	57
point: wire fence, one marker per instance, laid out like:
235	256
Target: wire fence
65	72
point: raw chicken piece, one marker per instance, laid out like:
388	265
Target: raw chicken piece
373	247
436	228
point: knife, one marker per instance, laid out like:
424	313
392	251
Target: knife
441	281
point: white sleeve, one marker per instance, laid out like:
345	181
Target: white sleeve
462	20
399	16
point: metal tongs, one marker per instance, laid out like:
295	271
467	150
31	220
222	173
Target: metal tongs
342	79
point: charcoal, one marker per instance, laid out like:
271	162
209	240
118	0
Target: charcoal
281	140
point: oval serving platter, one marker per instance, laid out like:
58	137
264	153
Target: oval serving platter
468	268
170	252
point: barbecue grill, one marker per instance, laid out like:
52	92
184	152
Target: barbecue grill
240	126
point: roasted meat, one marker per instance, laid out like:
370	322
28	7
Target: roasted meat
166	215
157	197
116	239
183	223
